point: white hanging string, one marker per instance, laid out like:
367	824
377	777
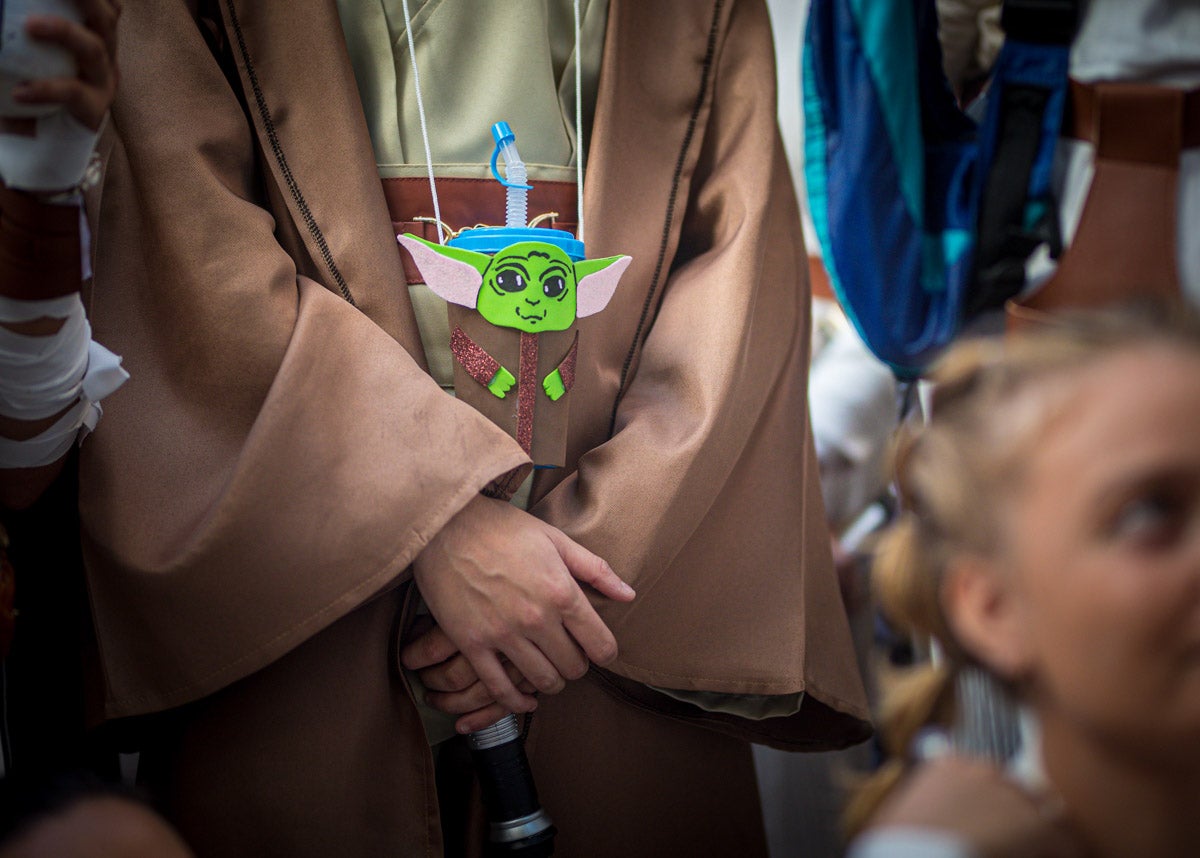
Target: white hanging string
578	124
412	55
437	212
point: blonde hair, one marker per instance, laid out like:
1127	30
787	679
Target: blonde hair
991	399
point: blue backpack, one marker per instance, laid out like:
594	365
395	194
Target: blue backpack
925	217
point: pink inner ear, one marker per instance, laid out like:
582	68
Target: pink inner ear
454	281
597	288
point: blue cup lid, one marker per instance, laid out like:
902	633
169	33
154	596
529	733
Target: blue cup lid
493	239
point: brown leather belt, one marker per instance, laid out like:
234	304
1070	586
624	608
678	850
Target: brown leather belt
1124	246
465	203
1147	123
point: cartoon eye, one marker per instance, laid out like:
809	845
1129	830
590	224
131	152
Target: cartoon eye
553	286
510	280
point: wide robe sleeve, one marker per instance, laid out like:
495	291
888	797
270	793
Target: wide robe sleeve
705	496
279	456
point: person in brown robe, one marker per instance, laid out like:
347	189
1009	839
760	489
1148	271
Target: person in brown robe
261	493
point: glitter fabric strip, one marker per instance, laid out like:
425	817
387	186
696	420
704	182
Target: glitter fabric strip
527	387
480	365
567	368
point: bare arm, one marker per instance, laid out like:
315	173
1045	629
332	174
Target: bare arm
87	97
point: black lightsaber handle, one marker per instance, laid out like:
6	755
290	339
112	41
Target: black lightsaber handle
518	825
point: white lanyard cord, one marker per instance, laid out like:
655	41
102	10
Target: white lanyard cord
412	54
578	125
437	211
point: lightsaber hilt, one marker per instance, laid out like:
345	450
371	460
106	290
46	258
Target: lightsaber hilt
517	823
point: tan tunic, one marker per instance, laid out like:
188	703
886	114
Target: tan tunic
520	69
281	454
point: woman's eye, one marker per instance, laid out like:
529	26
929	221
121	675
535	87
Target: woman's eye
553	286
1152	520
510	280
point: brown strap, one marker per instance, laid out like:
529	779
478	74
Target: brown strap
1082	121
566	369
39	247
527	388
466	203
1125	245
818	279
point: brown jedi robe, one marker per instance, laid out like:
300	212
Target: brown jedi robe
281	456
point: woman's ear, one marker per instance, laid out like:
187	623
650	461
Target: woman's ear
986	616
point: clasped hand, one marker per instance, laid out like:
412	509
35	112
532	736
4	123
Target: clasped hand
504	588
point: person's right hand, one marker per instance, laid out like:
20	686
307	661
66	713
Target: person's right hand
502	583
93	44
975	802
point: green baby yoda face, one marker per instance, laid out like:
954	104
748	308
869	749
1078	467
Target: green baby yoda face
531	286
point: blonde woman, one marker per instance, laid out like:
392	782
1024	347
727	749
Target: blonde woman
1052	536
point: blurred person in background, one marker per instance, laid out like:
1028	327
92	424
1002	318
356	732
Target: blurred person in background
1050	535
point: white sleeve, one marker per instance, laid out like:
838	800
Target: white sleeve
905	842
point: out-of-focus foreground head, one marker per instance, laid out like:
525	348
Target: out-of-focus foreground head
1051	531
79	817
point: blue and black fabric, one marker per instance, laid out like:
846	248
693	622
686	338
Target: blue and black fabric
926	218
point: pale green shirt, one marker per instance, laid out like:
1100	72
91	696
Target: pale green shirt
478	64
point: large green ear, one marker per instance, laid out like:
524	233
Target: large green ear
452	273
597	281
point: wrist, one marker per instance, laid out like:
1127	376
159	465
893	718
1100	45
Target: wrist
461	532
456	521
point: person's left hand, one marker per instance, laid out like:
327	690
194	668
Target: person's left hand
453	685
93	44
